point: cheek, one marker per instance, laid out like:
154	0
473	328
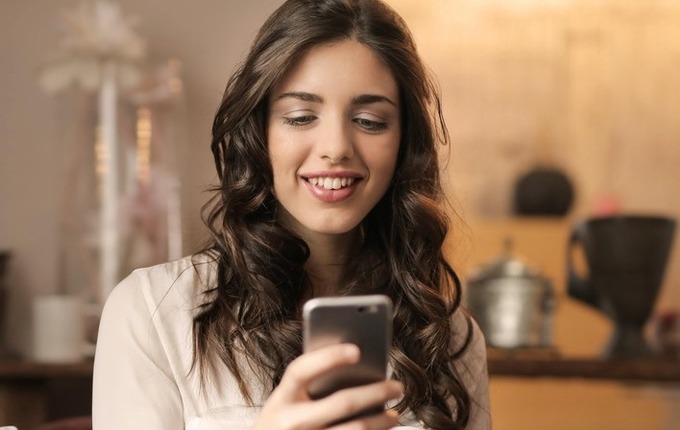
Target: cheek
384	157
272	143
277	148
286	155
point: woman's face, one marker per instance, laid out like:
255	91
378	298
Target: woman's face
333	134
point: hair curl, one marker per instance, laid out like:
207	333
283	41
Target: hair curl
261	282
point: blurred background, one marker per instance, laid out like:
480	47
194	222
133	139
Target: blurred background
584	89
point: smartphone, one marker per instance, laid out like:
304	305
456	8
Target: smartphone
365	321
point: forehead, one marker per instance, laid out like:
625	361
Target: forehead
345	66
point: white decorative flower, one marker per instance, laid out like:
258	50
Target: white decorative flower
96	33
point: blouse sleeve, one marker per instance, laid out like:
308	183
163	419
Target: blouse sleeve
133	384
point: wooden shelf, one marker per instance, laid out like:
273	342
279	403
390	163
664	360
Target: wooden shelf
18	370
33	393
657	370
500	365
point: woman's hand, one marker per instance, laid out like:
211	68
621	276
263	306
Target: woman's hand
290	408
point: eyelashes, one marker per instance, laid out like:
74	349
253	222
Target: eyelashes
364	123
370	124
299	121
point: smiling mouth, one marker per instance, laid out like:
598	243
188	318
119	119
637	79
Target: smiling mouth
331	183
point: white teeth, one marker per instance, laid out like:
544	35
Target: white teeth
331	183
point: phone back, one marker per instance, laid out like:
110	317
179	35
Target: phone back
365	321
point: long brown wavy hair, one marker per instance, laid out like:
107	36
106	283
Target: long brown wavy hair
255	303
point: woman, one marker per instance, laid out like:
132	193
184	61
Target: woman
325	147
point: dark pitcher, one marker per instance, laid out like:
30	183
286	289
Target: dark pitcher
626	258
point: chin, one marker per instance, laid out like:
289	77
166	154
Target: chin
328	224
334	227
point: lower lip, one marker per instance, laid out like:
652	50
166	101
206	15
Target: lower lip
331	196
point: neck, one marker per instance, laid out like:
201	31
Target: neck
329	255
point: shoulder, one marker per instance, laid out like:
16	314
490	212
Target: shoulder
466	337
157	305
180	283
469	349
143	354
150	313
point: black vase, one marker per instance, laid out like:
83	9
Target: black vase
543	191
626	258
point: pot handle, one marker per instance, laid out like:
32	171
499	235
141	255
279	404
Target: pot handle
579	287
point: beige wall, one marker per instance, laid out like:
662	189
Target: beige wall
590	86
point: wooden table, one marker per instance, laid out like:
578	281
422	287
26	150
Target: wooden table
527	365
26	390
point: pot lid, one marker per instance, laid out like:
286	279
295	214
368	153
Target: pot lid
505	266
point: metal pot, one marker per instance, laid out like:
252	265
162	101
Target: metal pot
512	303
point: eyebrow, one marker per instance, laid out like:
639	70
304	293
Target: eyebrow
367	99
300	95
363	99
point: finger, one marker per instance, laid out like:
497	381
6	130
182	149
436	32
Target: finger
352	401
382	421
311	365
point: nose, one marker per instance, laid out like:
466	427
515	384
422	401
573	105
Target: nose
336	144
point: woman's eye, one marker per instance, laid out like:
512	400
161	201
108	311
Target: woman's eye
299	121
370	125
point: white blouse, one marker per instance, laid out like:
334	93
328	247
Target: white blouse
142	377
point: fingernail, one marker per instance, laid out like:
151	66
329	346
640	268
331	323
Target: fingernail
398	387
352	351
